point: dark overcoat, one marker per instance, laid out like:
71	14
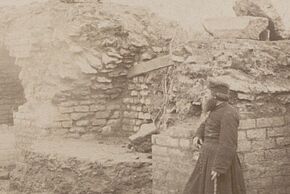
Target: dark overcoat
218	152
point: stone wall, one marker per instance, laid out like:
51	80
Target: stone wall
263	150
136	112
74	60
255	72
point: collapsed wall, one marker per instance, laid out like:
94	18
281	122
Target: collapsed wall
74	60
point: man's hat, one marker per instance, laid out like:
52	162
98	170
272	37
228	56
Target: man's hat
219	89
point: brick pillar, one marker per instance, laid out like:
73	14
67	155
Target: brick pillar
173	161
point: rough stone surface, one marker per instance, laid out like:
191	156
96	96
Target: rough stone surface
74	59
257	70
244	27
275	10
70	166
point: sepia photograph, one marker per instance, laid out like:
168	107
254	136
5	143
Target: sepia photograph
144	97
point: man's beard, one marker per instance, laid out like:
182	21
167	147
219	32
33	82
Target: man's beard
210	104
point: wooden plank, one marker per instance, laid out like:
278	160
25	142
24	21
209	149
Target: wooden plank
151	65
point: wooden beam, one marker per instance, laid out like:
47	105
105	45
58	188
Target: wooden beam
151	65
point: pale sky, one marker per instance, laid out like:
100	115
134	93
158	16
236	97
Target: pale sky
16	2
189	13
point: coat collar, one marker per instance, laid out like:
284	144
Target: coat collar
221	105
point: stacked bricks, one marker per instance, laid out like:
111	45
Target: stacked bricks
136	102
88	116
264	150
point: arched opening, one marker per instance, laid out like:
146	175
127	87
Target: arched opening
11	90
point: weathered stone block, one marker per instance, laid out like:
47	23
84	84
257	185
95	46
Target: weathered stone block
82	123
86	102
255	157
144	93
159	151
263	144
256	133
287	119
99	122
247	124
81	108
115	115
98	107
260	183
166	141
66	124
277	131
175	153
113	107
278	121
142	115
63	117
283	141
77	116
103	80
102	114
242	135
134	93
66	109
245	27
275	154
270	122
130	114
113	122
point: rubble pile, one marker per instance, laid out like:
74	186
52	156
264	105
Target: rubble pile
257	72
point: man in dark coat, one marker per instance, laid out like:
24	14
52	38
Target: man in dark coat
218	169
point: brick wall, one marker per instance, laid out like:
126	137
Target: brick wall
136	103
264	150
81	82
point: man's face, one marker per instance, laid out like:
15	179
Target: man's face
209	101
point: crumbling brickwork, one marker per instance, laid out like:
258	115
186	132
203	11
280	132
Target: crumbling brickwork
263	150
77	86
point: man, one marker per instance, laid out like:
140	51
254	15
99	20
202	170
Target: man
218	169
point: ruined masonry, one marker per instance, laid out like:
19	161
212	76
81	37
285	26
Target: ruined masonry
69	62
75	67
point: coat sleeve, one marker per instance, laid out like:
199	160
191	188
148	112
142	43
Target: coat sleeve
200	131
227	142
